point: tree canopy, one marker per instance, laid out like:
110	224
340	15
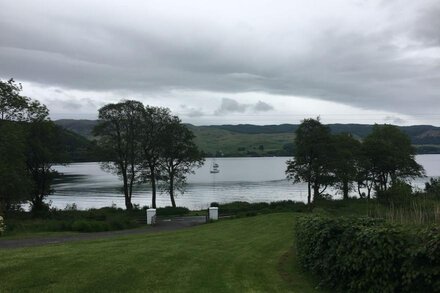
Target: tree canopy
321	159
146	144
30	144
312	157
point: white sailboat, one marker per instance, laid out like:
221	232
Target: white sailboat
214	168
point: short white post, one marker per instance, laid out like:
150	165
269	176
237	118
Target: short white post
213	213
151	216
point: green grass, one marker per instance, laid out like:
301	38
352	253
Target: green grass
240	255
212	140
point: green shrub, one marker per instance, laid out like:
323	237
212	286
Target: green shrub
90	226
400	194
368	255
432	188
170	211
240	207
2	226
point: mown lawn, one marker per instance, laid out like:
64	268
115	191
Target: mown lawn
240	255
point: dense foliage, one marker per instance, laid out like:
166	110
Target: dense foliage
312	157
71	219
29	145
368	255
146	144
242	208
321	159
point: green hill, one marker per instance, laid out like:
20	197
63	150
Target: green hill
268	140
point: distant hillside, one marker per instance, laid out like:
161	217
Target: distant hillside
78	148
82	127
269	140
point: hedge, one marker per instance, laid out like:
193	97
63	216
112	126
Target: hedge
368	255
237	207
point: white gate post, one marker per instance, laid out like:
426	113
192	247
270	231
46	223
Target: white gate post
151	216
213	213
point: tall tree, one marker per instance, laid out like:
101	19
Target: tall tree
41	146
366	176
119	133
312	152
154	124
180	156
43	150
391	156
15	183
344	162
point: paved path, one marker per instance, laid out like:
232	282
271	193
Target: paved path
162	225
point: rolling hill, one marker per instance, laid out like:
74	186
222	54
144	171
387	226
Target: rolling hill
268	140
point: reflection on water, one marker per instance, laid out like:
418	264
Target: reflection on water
244	179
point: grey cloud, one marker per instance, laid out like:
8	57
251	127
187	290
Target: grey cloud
348	63
426	26
230	106
65	105
394	120
262	107
195	113
191	112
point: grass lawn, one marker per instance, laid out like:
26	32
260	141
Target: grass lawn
242	255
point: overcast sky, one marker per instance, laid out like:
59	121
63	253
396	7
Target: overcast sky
216	62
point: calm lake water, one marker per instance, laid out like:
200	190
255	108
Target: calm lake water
243	179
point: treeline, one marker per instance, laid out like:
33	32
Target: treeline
384	158
29	146
145	144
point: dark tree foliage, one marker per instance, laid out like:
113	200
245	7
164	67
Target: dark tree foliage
44	149
15	107
37	145
146	144
154	123
312	162
391	155
345	162
119	131
433	187
180	156
14	181
365	176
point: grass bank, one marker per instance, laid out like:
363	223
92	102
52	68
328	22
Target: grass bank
239	255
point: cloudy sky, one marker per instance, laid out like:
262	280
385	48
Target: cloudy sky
238	61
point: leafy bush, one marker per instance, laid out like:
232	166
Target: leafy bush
2	226
433	187
242	207
400	193
70	219
369	255
170	211
90	226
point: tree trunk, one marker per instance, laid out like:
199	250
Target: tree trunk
345	189
153	187
127	197
173	203
309	195
128	204
315	191
359	189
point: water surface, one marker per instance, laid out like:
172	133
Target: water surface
243	179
